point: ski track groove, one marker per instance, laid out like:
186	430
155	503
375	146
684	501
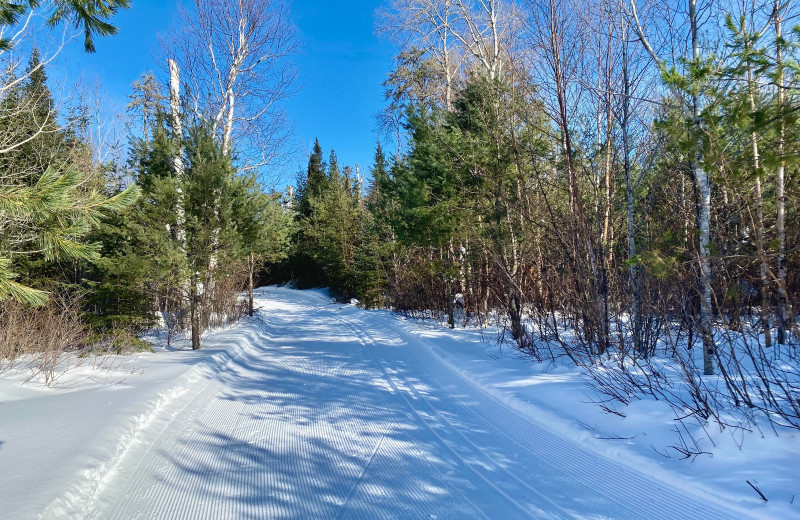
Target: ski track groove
447	445
311	424
602	471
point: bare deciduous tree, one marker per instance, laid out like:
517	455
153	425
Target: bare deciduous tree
233	56
427	25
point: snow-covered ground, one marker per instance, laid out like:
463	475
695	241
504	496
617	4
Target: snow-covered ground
319	410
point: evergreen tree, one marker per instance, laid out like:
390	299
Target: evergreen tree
345	244
305	270
264	228
90	15
48	206
143	266
146	101
30	132
334	172
314	183
53	217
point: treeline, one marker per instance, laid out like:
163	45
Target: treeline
95	247
615	182
336	243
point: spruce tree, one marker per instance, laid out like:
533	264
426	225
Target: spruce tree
305	270
143	266
334	172
314	183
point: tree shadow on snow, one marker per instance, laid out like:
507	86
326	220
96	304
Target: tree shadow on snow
310	433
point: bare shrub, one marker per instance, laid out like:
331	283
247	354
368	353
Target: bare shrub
40	337
223	301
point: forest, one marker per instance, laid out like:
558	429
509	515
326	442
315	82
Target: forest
614	182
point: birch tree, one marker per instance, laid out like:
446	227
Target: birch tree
780	181
483	32
427	25
691	100
233	56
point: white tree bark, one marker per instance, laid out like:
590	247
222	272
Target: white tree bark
626	152
177	130
482	33
233	54
780	224
701	179
703	209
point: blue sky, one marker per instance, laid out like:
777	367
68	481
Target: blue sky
341	66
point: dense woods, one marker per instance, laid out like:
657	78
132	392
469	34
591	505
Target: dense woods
105	246
615	183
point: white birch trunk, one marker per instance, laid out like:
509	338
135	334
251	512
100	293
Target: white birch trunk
634	277
703	212
780	224
177	129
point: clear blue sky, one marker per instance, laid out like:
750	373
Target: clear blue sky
341	67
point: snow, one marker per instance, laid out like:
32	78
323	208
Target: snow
320	410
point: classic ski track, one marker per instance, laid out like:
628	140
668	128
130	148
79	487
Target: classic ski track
180	430
238	434
410	447
343	506
396	412
602	470
165	428
447	445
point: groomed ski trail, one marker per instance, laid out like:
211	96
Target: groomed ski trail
339	414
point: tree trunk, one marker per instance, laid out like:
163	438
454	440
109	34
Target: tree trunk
228	129
251	265
584	245
764	289
177	159
759	225
194	303
175	109
515	312
634	276
703	183
780	224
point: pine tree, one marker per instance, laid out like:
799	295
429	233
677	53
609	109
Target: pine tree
54	216
264	228
90	15
208	206
48	206
146	101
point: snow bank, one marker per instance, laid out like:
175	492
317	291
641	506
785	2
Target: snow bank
558	399
59	445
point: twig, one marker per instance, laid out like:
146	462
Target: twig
758	491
